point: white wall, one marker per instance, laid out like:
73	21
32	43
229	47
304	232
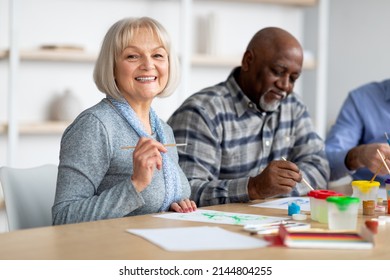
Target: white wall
359	48
84	23
235	24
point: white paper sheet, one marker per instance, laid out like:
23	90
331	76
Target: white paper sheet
198	238
282	203
221	217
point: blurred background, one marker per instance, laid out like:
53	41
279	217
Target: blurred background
48	48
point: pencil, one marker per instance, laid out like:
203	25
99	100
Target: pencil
166	145
303	179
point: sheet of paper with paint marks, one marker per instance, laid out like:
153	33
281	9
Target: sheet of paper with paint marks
221	217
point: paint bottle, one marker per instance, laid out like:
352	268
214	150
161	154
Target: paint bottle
343	212
368	207
365	190
372	225
387	183
318	204
388	206
293	208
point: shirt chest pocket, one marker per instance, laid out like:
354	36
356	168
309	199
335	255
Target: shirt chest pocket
282	144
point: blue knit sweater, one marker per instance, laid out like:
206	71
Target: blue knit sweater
94	172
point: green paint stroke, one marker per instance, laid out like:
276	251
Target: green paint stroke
237	219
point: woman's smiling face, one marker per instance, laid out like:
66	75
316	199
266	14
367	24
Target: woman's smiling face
142	69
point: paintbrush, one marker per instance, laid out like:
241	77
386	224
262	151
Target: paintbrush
380	166
383	160
166	145
303	179
387	138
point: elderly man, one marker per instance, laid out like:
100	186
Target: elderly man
239	130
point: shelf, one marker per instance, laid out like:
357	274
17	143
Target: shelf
215	61
276	2
53	55
197	59
231	61
38	128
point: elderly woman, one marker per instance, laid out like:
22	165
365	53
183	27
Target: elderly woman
97	179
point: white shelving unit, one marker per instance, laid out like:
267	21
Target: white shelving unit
52	55
277	2
80	56
15	56
229	61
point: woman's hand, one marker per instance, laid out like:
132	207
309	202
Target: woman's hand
146	157
183	206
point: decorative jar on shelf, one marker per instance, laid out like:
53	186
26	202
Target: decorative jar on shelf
65	107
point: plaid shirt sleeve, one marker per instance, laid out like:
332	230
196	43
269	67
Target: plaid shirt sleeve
230	140
201	158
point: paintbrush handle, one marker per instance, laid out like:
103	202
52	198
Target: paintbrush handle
303	179
166	145
383	160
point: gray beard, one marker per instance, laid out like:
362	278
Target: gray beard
268	107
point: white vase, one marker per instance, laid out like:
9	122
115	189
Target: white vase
65	107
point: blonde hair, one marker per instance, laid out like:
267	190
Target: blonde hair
117	39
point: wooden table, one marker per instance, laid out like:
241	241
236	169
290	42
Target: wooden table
108	239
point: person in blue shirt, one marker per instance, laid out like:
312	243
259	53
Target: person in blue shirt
360	129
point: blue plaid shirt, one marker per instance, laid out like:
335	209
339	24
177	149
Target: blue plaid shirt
230	140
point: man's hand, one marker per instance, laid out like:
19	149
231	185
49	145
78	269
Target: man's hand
279	177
